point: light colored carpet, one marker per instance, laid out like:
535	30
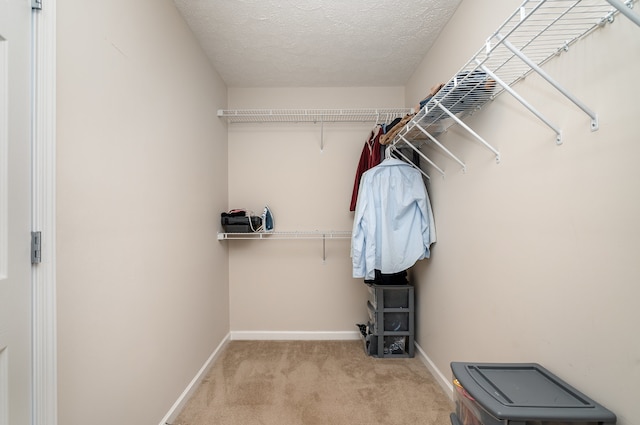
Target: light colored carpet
314	383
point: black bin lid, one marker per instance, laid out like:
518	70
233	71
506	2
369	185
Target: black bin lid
527	391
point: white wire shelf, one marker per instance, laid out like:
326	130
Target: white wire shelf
380	115
297	235
536	32
316	234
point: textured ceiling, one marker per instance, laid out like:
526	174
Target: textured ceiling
316	43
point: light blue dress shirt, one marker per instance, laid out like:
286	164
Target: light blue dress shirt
393	225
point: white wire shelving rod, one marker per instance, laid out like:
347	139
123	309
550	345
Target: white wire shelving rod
625	10
298	235
397	152
423	156
470	131
533	34
316	234
313	115
441	146
526	104
550	80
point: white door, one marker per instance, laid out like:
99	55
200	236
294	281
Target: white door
15	212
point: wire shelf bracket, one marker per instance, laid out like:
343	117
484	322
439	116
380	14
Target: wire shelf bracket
550	80
422	155
526	104
625	9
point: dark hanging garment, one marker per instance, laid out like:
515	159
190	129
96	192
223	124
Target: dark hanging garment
387	127
370	157
393	132
399	278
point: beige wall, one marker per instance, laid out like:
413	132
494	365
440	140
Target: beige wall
537	257
142	174
285	285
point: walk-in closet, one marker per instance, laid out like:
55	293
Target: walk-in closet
160	121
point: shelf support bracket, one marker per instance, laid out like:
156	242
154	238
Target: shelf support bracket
441	146
470	130
523	102
554	83
625	10
324	249
423	156
399	153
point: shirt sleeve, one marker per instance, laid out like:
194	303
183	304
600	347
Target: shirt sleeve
428	224
358	236
363	165
363	237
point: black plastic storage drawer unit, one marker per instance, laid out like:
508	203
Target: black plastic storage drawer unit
391	321
389	296
520	394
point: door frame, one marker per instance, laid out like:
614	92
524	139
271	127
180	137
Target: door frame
43	188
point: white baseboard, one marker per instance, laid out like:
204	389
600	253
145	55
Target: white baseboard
292	335
193	385
447	386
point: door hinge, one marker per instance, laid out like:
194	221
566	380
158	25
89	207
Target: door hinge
36	4
36	247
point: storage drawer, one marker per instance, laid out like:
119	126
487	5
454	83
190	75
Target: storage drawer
393	345
468	412
389	296
392	321
454	419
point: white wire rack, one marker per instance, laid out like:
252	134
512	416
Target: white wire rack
316	234
380	115
321	116
536	32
